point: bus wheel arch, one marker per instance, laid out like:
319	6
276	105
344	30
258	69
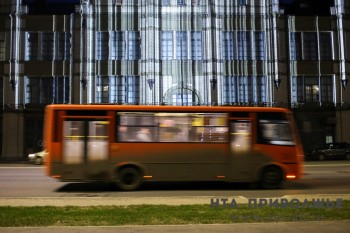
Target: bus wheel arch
271	177
129	177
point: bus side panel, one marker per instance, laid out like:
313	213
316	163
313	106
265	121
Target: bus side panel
285	156
175	161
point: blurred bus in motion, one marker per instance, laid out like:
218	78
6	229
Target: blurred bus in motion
133	144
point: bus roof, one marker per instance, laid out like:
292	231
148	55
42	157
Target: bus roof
164	108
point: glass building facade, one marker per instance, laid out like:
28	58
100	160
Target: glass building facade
287	53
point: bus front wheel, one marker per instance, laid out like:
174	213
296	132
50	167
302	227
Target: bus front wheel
129	179
271	178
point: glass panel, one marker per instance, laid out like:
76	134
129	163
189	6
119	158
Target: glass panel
196	45
276	132
181	45
273	128
97	141
228	45
326	47
295	46
64	45
310	46
102	48
2	46
259	46
31	49
73	142
166	45
47	46
240	136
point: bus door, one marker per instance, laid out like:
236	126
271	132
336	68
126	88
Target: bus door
240	143
85	148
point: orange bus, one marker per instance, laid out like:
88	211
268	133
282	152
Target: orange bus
133	144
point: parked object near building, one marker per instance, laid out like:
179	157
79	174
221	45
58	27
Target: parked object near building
37	158
336	150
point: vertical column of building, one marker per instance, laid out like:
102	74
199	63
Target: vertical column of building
13	115
85	20
217	62
274	80
343	96
149	16
208	54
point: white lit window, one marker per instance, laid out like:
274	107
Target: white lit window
117	89
312	89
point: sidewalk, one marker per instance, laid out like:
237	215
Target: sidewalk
285	227
179	200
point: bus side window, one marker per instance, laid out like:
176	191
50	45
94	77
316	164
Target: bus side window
136	127
273	128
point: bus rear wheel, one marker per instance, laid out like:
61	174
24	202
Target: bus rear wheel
271	178
129	179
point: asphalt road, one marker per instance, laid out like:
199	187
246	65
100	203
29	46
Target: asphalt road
25	180
28	183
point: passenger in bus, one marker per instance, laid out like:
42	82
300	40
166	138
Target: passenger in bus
123	133
144	135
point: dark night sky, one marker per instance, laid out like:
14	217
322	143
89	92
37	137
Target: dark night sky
293	7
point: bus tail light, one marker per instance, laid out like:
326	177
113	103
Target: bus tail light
147	177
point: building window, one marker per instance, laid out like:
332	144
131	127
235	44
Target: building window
259	46
165	2
118	89
166	45
325	46
195	2
47	90
181	45
228	45
242	2
307	89
309	46
118	45
31	52
196	45
181	2
102	48
1	91
133	46
63	47
243	45
244	89
102	90
47	46
295	46
2	46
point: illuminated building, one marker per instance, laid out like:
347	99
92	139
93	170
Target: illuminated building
287	53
